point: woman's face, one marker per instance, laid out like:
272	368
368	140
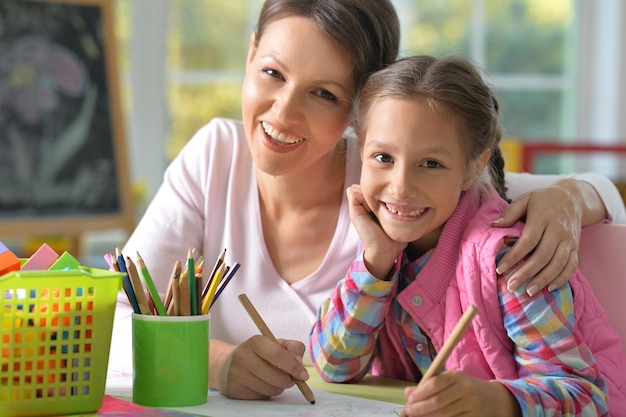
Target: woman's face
296	96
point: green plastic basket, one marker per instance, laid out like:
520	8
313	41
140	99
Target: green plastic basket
55	339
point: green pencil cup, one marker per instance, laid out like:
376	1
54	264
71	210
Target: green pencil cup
170	360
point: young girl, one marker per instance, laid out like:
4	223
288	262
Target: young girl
431	182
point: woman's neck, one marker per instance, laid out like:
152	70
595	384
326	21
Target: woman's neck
316	185
299	214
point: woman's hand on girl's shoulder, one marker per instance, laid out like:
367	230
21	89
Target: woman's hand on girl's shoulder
549	238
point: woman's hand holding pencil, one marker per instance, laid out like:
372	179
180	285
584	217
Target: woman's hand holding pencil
186	294
265	331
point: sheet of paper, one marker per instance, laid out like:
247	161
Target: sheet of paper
292	403
289	403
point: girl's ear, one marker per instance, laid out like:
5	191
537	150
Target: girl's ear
477	166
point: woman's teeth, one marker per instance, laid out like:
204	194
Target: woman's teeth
280	137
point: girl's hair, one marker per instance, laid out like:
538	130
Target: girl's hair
368	30
452	86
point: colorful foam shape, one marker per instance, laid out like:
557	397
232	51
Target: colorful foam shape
3	248
65	261
41	259
8	260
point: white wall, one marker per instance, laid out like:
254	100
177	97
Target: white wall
601	85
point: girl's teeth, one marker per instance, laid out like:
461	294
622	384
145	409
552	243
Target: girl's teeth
407	214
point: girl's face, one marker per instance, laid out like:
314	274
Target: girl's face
413	169
296	95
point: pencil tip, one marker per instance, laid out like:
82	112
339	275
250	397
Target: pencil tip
313	402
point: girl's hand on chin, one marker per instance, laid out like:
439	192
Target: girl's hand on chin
380	251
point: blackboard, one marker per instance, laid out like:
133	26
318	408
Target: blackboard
63	166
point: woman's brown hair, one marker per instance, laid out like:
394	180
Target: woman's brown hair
368	30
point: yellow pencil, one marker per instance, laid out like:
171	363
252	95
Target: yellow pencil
265	331
215	282
218	262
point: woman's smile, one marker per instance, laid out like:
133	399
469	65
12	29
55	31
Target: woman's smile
280	138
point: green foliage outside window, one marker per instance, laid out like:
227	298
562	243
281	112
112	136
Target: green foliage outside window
208	42
509	39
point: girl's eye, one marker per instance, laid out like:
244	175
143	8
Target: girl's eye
326	95
431	164
384	158
272	73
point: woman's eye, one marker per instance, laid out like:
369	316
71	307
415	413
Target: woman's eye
272	73
384	158
431	164
327	95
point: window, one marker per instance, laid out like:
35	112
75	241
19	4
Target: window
524	48
547	61
206	54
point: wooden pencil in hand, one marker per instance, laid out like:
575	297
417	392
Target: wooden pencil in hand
449	345
265	331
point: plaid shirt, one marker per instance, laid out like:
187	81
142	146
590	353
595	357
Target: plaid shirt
344	340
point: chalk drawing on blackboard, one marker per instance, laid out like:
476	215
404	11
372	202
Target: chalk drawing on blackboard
61	154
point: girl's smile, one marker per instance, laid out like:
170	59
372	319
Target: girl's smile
404	213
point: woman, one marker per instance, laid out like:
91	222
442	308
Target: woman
270	189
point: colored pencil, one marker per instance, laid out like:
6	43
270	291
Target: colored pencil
218	262
167	299
208	299
265	331
128	286
154	294
198	281
191	278
174	307
108	257
183	294
142	301
224	283
455	337
116	267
